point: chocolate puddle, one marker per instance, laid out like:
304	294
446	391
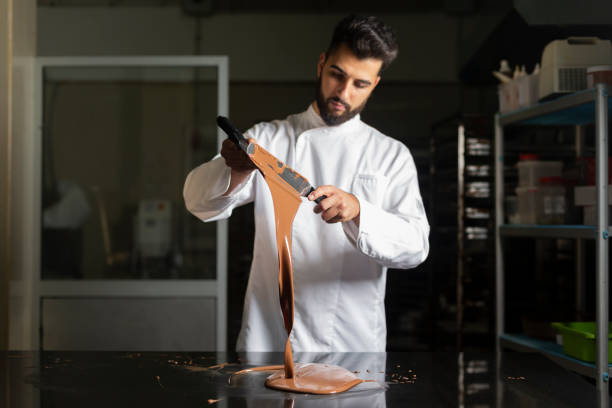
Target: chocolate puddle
307	378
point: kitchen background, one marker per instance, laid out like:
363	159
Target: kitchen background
120	261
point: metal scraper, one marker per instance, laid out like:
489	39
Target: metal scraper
293	179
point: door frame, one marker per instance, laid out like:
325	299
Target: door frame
31	202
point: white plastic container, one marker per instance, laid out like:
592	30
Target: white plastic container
154	228
584	196
508	94
589	214
543	204
599	74
531	171
511	209
553	203
528	90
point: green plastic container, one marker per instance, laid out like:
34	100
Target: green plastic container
579	340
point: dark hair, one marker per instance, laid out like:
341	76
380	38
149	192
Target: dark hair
367	37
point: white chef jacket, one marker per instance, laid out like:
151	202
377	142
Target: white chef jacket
339	269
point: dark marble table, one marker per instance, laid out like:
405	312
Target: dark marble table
200	379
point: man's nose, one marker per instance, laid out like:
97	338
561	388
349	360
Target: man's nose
343	90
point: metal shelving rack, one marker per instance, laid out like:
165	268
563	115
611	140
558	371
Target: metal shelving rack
462	223
580	108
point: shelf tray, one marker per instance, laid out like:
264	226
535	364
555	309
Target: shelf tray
548	231
551	350
574	109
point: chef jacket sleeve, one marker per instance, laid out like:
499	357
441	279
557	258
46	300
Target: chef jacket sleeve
205	186
393	227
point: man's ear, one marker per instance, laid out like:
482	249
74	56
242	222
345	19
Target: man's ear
320	64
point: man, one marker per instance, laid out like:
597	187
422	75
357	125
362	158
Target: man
373	217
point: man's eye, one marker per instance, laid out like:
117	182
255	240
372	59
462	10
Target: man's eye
360	84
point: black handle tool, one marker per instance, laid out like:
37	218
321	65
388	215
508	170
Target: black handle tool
294	179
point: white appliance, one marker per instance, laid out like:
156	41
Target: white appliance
564	63
154	228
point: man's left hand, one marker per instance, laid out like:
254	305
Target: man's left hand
338	206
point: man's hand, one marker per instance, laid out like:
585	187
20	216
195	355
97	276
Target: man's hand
339	206
238	161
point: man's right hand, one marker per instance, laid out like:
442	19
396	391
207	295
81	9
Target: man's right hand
237	160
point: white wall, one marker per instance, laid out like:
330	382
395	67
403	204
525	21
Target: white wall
261	47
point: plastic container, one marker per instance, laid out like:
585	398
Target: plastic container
544	204
508	94
520	92
528	208
579	340
589	170
553	200
530	171
511	209
599	74
528	90
589	214
585	195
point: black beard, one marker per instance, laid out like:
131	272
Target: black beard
326	114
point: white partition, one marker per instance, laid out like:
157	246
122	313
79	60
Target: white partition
86	297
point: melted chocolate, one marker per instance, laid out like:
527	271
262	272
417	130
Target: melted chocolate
315	378
307	378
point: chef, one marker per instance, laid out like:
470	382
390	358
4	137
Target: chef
371	219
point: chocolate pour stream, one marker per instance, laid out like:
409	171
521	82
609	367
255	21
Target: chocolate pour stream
310	378
286	203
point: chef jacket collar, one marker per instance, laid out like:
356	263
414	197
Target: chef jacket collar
310	119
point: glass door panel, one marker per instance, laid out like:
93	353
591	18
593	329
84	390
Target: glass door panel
117	145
